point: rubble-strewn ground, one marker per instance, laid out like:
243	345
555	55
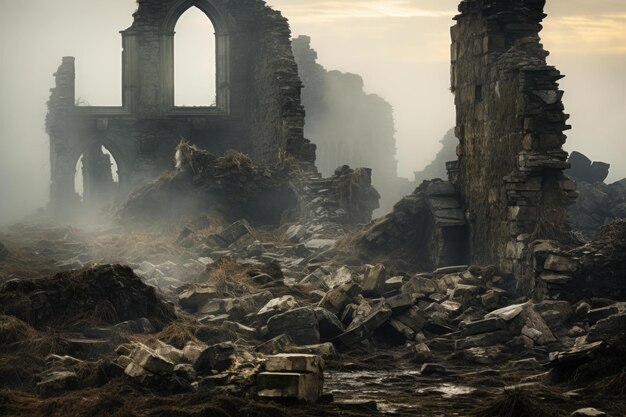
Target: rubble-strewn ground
185	328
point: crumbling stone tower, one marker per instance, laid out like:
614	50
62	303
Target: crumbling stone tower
510	124
257	111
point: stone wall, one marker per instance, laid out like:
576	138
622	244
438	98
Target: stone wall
510	124
257	111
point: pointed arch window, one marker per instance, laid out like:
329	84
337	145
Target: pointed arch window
195	81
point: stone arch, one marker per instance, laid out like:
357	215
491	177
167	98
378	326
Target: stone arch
224	26
222	22
111	147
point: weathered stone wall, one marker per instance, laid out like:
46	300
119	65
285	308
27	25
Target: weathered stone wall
510	124
258	109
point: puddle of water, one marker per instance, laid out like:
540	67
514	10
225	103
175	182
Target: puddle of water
447	390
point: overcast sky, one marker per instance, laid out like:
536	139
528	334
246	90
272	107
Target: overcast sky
400	47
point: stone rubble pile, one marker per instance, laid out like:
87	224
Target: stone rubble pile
598	203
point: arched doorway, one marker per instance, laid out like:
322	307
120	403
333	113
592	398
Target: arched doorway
194	60
96	178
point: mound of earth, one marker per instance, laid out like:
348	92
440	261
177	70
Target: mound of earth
231	185
93	296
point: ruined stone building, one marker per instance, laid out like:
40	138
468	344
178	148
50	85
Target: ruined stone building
257	109
348	125
437	168
510	124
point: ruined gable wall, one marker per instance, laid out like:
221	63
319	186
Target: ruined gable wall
510	124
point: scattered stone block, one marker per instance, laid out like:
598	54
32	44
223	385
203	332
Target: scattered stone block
558	263
482	326
218	358
276	306
300	324
324	350
400	303
276	345
338	298
374	280
151	361
292	376
289	385
329	325
363	329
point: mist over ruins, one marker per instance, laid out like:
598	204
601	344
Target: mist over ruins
248	243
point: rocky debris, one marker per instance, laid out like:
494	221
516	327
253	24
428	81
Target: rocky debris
233	233
292	376
95	295
426	228
367	320
598	203
593	270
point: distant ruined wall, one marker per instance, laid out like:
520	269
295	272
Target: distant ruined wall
348	125
257	111
510	124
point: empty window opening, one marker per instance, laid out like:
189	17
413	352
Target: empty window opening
194	60
96	178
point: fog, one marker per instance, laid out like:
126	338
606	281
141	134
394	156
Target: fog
400	47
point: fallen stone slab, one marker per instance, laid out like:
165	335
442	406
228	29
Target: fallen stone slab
338	298
374	280
300	324
233	233
217	357
150	360
558	263
400	303
575	355
364	328
289	362
419	285
276	306
193	298
324	350
482	326
289	385
292	376
609	329
508	313
329	325
276	345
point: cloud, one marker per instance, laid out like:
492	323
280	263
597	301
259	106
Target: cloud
587	34
330	11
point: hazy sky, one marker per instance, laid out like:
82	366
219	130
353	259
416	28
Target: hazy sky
400	47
